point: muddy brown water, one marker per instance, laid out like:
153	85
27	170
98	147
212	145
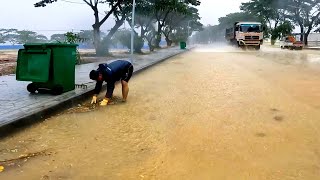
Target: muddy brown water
202	115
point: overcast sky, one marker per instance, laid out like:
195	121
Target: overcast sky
64	16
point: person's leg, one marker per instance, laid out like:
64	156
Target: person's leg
125	90
124	82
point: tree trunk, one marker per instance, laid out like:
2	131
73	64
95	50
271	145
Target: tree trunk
106	41
306	35
149	40
97	40
142	33
273	41
169	42
158	38
151	48
306	39
99	48
96	32
301	30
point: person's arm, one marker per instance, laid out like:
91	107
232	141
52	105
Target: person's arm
110	88
98	87
97	90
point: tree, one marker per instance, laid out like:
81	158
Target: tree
205	36
6	35
144	19
58	37
121	13
162	9
304	13
72	38
117	8
124	37
217	32
283	29
150	36
25	36
177	21
269	12
2	36
228	20
89	36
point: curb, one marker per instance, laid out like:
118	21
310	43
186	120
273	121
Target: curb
69	102
312	48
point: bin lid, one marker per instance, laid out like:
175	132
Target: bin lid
44	45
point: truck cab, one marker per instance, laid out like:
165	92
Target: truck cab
246	34
290	42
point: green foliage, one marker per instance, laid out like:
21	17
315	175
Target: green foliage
58	37
85	37
304	13
217	32
44	3
73	38
6	35
269	13
177	24
117	8
124	37
265	10
228	20
164	12
209	34
284	29
25	36
181	34
148	12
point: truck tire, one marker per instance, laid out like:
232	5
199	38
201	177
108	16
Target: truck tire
257	47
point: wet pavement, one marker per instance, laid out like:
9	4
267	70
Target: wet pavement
17	102
213	113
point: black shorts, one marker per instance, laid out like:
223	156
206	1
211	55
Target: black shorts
126	77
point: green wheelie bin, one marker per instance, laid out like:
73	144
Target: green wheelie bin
183	45
49	66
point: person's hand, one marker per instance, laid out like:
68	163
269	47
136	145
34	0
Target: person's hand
94	100
104	102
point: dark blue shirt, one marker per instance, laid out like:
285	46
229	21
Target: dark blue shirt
111	73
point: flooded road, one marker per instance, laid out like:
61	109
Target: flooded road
206	114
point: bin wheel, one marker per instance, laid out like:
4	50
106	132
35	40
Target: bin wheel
32	88
57	90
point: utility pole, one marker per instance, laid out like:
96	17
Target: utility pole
188	30
132	29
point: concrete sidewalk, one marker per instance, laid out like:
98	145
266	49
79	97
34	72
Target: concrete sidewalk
312	48
17	103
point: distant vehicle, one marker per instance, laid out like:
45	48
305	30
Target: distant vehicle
290	42
245	34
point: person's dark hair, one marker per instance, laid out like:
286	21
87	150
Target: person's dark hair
94	75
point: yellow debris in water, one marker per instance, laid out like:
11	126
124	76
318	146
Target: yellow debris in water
1	168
